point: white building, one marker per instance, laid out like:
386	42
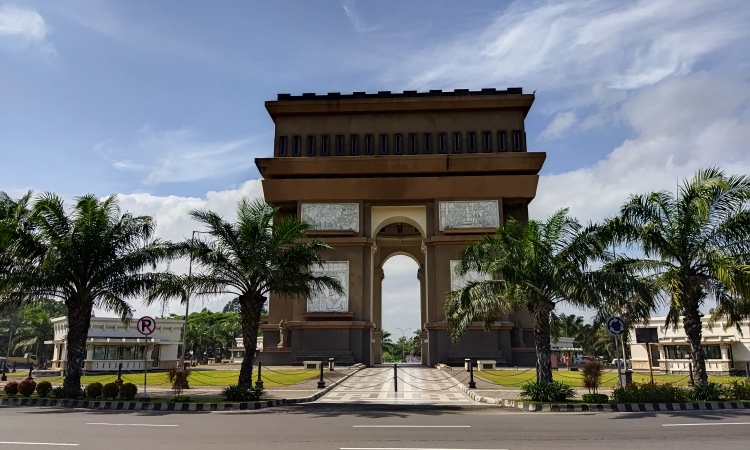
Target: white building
726	350
238	352
110	342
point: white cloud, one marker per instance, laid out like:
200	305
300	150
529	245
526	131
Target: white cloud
559	125
21	28
178	155
400	296
355	19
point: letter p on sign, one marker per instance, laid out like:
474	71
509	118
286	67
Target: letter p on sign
146	325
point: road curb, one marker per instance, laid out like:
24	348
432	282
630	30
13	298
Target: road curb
605	407
178	407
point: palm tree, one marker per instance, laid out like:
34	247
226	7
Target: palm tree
567	325
386	343
262	252
696	246
535	265
92	257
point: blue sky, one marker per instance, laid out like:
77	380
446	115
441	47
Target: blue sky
162	101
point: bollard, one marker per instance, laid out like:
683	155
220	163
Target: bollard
321	383
119	375
30	370
3	377
691	382
472	384
259	382
395	377
330	364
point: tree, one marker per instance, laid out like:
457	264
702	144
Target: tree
535	265
695	246
567	325
91	257
36	326
262	252
386	343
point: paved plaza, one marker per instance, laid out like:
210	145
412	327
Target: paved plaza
416	385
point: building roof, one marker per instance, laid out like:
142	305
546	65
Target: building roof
405	94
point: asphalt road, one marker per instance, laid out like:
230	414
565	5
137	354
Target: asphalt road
356	427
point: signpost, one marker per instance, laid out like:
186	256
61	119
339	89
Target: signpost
648	336
146	325
616	327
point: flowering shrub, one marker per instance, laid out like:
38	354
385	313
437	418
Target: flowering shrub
27	387
11	388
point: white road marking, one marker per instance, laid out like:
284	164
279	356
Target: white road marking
703	424
411	426
413	448
130	424
37	443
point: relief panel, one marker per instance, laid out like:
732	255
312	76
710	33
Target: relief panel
458	281
331	216
469	214
328	300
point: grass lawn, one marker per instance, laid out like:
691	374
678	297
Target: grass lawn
200	378
512	378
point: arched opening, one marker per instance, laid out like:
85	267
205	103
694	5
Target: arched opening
401	315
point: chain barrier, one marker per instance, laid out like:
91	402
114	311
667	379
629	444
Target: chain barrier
287	372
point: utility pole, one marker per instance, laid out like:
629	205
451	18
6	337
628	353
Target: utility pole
187	304
403	343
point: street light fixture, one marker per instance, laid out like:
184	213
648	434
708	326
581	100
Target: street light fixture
187	301
403	344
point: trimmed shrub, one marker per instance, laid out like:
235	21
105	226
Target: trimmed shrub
235	393
592	376
547	392
93	390
11	388
27	387
709	392
128	391
61	392
650	393
58	392
179	399
739	390
110	391
595	398
43	388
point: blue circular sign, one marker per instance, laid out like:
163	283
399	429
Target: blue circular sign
615	326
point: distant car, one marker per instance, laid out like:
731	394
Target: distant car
618	362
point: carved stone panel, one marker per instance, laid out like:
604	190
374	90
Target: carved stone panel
331	216
469	214
328	300
458	281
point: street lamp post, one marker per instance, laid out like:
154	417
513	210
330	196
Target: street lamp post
187	303
403	343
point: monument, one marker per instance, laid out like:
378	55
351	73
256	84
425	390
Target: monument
419	174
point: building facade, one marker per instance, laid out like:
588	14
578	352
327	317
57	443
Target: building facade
238	352
727	350
110	342
413	174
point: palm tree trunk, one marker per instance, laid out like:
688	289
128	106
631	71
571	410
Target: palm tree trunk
79	320
691	321
542	342
251	306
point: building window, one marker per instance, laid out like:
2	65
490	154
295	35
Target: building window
517	144
354	144
297	150
100	352
324	145
413	144
487	142
369	145
712	352
311	146
398	145
427	143
442	145
383	144
456	142
501	142
472	144
282	145
339	145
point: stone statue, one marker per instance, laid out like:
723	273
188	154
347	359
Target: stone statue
282	333
519	334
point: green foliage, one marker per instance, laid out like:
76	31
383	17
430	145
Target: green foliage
592	376
11	388
739	390
110	391
43	388
93	390
234	393
178	378
554	391
650	393
595	398
709	392
27	387
208	331
128	391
